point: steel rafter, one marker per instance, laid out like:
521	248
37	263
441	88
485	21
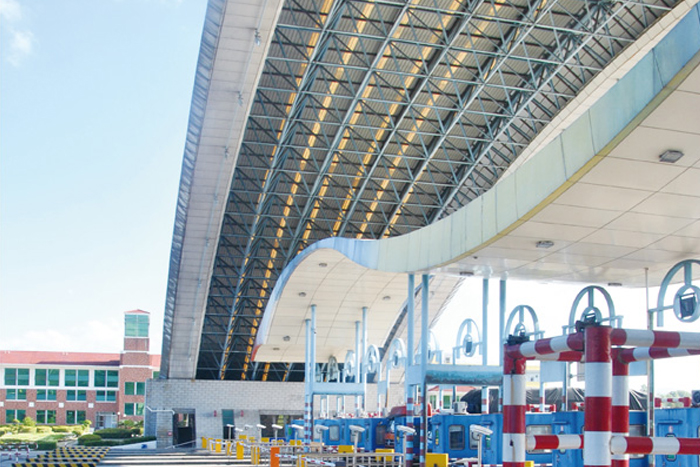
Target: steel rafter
374	118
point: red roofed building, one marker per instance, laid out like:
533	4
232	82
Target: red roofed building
65	388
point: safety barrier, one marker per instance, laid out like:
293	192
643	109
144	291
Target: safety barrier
606	421
685	401
542	408
354	459
16	450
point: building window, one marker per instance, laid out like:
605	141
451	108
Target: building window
73	395
16	376
456	437
446	401
105	396
135	389
44	377
133	409
12	415
106	379
46	395
75	417
16	395
136	326
79	378
46	416
156	374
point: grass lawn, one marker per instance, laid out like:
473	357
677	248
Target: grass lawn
34	437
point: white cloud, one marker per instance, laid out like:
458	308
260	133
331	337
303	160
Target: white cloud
10	10
21	40
20	46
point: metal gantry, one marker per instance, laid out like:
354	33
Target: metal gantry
374	118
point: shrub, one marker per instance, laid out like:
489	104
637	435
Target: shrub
28	421
27	429
140	439
43	445
83	440
116	433
102	442
4	430
43	429
62	429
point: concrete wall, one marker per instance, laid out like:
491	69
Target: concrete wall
248	399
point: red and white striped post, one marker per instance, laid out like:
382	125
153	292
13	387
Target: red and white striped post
514	405
597	418
620	406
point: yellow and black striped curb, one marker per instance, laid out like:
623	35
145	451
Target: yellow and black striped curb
66	459
78	448
81	450
59	464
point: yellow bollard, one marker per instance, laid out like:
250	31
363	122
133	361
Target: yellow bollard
384	458
344	448
239	450
529	463
435	460
265	440
217	446
204	443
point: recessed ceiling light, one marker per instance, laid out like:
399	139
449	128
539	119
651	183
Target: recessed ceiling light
386	298
544	244
466	273
275	348
671	156
286	338
302	294
322	265
614	284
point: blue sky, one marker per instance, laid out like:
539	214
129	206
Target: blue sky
95	98
93	116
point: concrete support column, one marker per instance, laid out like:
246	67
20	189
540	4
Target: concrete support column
410	323
484	341
358	366
425	338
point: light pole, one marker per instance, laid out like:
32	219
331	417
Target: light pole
356	433
406	431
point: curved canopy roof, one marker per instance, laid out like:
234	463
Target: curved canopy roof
610	209
361	120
